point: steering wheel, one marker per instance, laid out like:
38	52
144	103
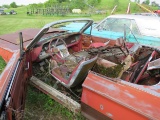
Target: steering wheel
60	51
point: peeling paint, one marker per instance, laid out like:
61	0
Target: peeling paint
109	115
129	95
124	94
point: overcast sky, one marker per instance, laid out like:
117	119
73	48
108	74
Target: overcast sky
26	2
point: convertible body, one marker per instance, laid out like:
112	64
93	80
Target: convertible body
101	77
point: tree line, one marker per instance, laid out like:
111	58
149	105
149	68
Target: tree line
148	2
81	4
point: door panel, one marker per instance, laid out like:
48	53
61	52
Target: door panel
17	95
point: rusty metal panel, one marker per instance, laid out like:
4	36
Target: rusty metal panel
6	55
6	74
120	99
28	34
92	114
155	64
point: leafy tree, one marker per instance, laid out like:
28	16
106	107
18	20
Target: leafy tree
93	2
147	2
40	5
80	4
61	1
13	5
34	5
50	3
5	6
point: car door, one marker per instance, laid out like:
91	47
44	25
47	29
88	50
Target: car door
17	93
14	100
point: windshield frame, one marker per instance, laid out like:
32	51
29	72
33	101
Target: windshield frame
45	29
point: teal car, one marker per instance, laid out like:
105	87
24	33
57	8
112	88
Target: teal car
144	30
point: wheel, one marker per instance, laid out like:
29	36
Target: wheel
61	51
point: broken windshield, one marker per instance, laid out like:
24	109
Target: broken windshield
64	28
61	27
117	25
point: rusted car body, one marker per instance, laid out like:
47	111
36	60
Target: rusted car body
14	78
102	78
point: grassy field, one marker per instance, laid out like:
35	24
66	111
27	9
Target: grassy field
12	23
38	105
41	107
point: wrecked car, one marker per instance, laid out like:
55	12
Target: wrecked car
99	77
144	28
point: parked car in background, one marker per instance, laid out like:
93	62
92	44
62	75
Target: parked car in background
104	78
136	28
2	12
12	12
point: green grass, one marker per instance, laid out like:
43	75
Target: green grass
40	106
12	23
121	6
2	64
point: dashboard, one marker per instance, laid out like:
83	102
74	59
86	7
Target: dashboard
70	40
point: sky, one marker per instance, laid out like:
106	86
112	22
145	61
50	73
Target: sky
26	2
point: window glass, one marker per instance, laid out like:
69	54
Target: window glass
117	25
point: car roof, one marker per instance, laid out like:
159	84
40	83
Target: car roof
146	14
135	17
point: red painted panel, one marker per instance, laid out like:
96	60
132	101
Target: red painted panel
108	107
6	74
6	55
35	53
118	100
28	34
